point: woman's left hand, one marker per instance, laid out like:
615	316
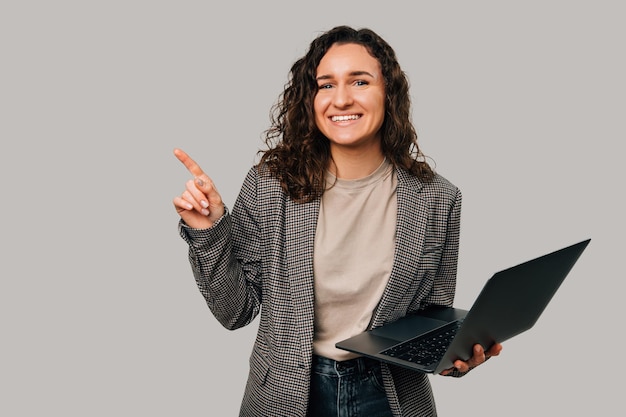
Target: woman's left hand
479	357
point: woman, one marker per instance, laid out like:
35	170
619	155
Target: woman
340	228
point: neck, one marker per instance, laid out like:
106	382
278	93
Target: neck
355	164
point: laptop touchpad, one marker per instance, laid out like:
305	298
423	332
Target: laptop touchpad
408	327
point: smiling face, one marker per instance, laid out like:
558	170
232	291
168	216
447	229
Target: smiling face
350	101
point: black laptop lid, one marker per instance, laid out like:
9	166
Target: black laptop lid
512	300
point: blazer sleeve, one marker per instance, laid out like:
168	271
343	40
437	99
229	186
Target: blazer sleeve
225	260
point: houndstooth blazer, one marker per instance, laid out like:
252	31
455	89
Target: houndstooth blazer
259	259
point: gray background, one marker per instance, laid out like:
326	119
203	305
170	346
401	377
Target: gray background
521	104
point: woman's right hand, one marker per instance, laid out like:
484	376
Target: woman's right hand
200	205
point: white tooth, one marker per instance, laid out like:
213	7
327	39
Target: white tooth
344	118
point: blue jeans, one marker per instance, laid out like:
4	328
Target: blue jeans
351	388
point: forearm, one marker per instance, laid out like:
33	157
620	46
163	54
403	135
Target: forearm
221	278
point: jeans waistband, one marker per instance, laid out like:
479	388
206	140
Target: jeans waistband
327	366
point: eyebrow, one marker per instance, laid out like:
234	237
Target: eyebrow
352	74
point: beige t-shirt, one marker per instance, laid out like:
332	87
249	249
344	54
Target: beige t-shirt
353	256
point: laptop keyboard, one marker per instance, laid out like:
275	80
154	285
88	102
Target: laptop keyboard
425	350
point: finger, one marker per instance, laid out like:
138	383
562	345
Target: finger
208	189
196	204
477	358
494	350
479	355
182	205
198	196
461	366
189	163
446	371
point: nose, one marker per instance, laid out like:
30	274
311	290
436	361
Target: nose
343	96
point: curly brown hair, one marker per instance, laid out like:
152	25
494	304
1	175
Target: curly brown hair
298	154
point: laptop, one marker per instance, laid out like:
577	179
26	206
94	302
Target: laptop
510	303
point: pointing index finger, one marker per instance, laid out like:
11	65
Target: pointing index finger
189	163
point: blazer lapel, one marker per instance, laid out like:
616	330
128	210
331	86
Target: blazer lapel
410	232
300	239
